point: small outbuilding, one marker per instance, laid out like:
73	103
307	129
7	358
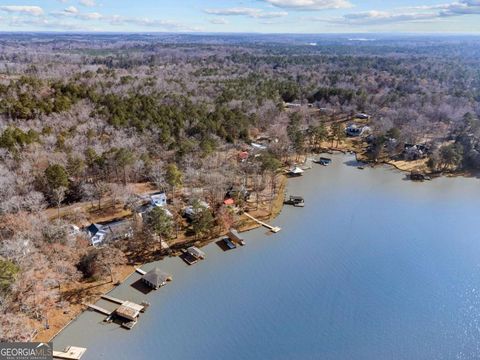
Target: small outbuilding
156	278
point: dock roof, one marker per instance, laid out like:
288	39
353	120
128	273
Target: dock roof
156	277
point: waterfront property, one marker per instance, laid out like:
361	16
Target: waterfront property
402	284
109	231
156	278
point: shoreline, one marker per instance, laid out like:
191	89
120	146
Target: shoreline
77	310
244	225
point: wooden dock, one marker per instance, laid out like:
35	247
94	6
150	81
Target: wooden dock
100	309
70	353
112	299
274	229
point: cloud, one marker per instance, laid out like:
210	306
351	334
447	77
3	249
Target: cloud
28	10
414	14
250	12
88	3
165	25
218	21
71	10
310	4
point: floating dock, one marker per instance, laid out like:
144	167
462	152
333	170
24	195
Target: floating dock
70	353
274	229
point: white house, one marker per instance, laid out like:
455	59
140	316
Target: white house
354	130
159	199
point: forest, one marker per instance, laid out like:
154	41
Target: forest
93	123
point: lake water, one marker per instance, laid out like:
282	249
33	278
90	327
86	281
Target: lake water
374	267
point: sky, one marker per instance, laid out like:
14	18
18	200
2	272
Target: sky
262	16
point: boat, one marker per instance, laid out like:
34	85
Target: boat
230	245
416	176
324	161
360	167
129	324
296	201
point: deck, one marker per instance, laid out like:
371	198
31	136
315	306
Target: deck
70	353
100	309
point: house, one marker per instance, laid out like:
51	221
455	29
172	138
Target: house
354	130
237	193
156	278
96	233
415	151
362	116
191	211
145	209
158	199
110	231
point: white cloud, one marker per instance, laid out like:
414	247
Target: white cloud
218	21
90	16
414	14
29	10
311	4
89	3
250	12
71	10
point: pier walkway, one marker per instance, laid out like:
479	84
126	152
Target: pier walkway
100	309
274	229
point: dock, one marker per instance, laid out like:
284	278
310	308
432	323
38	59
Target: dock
70	353
100	309
112	299
274	229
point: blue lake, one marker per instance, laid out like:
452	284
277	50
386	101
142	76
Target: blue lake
374	267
